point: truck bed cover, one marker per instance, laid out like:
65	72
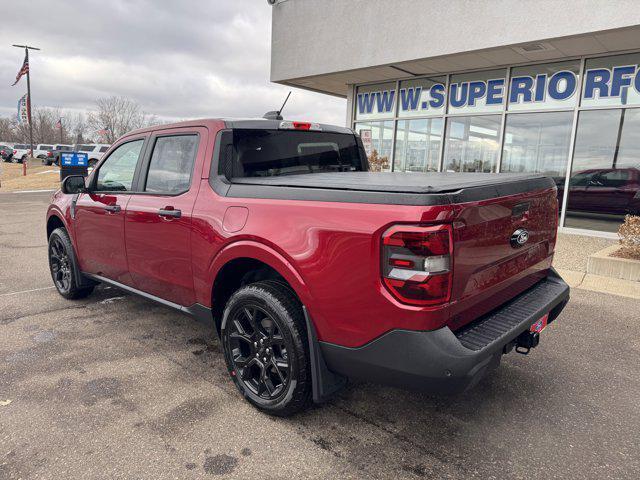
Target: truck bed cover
436	188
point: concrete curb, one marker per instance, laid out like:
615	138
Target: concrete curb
598	283
601	263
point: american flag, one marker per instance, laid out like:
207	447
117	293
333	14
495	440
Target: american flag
23	71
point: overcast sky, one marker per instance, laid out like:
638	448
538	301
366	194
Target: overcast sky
178	59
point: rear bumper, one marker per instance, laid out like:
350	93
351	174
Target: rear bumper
441	361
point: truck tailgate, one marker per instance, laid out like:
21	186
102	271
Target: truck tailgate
490	266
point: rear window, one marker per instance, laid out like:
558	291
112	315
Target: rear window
271	153
86	148
103	149
20	147
45	147
64	148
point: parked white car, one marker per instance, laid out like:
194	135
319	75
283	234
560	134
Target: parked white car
20	153
41	150
94	151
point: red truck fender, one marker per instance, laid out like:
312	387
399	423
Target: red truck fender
265	254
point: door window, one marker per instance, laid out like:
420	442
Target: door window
171	164
116	173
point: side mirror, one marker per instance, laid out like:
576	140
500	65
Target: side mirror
73	184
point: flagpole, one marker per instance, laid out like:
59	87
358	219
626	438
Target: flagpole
26	53
24	164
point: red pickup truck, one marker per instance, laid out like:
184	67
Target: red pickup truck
313	269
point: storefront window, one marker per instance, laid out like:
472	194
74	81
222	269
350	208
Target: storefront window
472	144
544	87
612	81
377	138
538	143
478	92
605	176
418	145
376	101
423	97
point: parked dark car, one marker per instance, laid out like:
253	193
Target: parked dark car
604	191
6	152
54	155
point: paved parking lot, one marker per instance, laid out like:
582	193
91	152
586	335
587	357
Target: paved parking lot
117	387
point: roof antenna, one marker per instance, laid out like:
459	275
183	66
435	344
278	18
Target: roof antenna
275	114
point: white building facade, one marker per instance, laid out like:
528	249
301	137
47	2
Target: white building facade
483	86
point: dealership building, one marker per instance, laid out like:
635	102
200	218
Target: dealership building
483	86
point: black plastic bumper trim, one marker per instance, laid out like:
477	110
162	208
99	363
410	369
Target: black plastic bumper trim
436	361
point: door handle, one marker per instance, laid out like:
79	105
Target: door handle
170	212
112	208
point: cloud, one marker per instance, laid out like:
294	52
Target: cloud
179	60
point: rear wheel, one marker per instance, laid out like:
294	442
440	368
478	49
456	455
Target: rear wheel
14	159
92	163
62	264
265	345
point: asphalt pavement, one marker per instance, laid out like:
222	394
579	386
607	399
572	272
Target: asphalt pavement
115	386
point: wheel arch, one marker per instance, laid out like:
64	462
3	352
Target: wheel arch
54	221
247	262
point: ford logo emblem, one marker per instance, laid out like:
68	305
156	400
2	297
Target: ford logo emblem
519	238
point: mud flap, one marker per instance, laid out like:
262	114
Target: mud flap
324	382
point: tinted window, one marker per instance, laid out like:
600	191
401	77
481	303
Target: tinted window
267	153
86	148
45	147
20	147
116	173
171	164
103	149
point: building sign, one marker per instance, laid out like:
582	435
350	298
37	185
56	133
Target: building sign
603	86
613	86
422	97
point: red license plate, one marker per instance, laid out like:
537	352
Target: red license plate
540	324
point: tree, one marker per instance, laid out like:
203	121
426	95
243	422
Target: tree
116	116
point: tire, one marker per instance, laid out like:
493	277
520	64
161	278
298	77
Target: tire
92	163
14	160
62	265
264	338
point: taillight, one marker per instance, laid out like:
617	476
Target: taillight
49	154
15	151
416	263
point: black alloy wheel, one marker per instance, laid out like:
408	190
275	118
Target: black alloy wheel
62	264
259	352
264	339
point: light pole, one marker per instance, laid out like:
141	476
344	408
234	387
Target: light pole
26	56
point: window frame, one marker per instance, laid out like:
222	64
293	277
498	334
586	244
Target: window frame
146	162
94	175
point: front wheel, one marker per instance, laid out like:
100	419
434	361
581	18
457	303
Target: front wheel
62	264
265	346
